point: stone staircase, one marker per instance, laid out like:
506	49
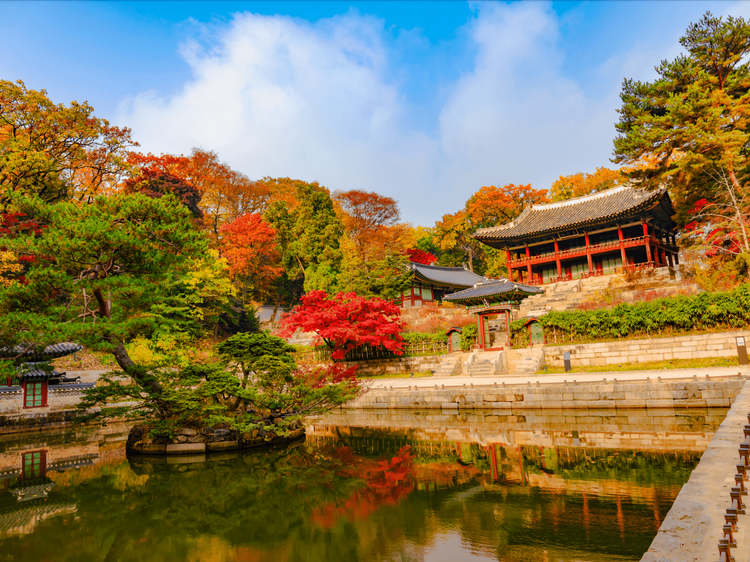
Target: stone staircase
563	295
450	364
528	361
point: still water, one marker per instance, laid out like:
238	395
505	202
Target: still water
360	487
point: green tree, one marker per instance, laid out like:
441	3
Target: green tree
308	235
103	273
694	119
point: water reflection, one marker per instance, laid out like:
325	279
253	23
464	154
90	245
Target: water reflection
348	492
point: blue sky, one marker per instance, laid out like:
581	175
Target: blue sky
422	101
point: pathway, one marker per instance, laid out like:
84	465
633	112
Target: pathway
621	376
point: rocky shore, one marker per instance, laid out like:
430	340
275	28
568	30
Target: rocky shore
190	440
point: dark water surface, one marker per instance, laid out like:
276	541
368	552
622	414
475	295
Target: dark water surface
361	487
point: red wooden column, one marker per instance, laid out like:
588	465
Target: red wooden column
557	259
528	265
648	242
588	254
622	246
507	261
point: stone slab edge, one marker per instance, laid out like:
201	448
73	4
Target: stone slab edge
692	528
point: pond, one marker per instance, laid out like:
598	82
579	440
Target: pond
361	487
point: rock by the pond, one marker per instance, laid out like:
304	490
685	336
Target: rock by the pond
191	440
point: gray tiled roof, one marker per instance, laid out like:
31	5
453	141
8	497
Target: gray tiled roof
50	352
621	202
494	287
454	276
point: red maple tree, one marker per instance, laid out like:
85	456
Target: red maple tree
416	255
346	321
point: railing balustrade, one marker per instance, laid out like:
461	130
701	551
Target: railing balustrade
594	249
366	352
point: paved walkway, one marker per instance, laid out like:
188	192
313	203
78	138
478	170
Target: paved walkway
692	528
621	376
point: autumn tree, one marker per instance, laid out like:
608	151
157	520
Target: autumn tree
490	206
580	184
415	255
155	183
56	151
250	247
367	217
694	119
346	321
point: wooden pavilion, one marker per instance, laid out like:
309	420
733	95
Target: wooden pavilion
586	236
433	283
493	300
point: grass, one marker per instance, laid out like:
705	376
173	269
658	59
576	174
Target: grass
418	375
649	365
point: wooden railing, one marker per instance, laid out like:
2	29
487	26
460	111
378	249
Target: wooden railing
368	353
594	249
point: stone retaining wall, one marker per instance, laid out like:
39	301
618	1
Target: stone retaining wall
640	351
400	365
624	395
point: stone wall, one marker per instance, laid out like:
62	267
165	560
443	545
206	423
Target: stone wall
640	351
60	409
404	365
623	395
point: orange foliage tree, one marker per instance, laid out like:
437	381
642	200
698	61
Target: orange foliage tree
490	206
580	184
249	246
369	220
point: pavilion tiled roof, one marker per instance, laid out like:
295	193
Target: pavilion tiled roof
493	288
50	352
618	203
451	276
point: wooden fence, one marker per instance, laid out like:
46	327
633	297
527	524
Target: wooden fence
366	352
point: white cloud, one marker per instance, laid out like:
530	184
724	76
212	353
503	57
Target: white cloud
283	97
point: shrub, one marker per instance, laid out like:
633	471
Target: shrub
468	337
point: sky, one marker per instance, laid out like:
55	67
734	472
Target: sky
423	101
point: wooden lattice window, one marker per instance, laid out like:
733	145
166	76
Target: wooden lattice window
34	394
33	464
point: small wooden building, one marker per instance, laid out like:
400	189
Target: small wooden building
587	236
493	301
454	339
431	283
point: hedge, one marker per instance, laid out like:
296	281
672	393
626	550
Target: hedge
706	311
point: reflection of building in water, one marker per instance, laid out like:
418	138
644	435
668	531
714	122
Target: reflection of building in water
28	492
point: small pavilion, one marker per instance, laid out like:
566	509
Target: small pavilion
433	283
588	236
493	301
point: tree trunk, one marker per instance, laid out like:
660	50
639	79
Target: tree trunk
734	194
120	353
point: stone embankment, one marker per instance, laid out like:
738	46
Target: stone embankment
722	344
615	395
189	441
694	526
